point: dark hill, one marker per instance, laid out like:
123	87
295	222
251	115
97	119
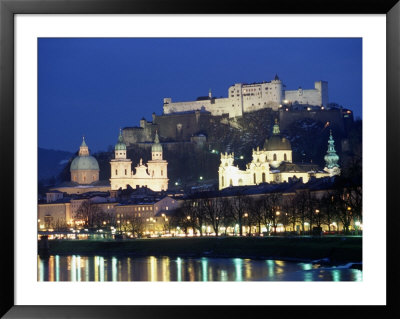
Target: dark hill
187	161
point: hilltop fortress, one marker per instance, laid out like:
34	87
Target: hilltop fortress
244	98
193	123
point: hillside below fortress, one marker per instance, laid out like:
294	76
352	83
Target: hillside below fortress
193	140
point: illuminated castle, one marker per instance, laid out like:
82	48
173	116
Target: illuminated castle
153	175
274	164
243	98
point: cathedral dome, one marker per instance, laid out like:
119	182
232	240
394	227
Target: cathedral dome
84	163
276	142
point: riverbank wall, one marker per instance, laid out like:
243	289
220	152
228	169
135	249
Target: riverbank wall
333	249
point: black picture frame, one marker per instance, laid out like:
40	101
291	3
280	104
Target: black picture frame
8	8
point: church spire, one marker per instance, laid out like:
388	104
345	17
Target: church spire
120	146
331	158
156	139
275	129
156	148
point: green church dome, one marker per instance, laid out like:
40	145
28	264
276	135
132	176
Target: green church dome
120	146
84	163
156	147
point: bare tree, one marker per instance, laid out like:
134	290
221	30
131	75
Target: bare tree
301	201
343	211
214	212
270	205
134	224
60	224
290	208
327	210
237	210
89	213
181	218
254	212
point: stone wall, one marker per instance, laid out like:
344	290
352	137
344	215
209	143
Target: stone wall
316	96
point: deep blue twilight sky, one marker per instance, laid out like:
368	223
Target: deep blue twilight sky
93	87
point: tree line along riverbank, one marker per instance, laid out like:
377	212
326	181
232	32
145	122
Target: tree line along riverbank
332	249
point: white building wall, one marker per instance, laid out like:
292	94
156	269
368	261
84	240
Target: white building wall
316	96
244	98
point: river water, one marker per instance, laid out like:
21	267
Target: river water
99	268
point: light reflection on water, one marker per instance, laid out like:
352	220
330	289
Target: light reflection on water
99	268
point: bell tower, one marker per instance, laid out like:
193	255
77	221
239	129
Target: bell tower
331	158
121	167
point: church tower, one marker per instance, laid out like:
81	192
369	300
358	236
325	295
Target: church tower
331	158
157	167
121	172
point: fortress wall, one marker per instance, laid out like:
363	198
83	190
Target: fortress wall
215	106
181	127
316	96
133	135
185	106
312	97
231	106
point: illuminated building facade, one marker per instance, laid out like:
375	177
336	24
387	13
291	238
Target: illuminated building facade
273	164
154	175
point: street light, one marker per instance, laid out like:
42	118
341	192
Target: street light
278	213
